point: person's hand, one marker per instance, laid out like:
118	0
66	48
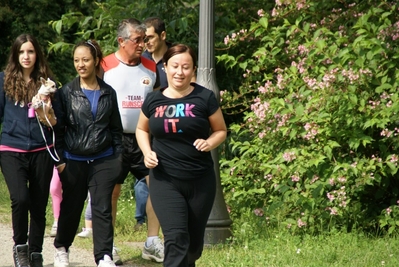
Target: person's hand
202	145
60	168
151	160
45	108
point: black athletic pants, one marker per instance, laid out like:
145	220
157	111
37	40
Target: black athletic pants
99	178
182	207
28	177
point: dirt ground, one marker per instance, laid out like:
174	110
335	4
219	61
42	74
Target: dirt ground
77	256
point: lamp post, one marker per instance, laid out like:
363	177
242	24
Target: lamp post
218	226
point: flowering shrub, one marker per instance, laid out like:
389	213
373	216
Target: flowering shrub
318	145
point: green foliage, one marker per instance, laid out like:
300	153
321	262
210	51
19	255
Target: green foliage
17	17
317	146
181	18
101	24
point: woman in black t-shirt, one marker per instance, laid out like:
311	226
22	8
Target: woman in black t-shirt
186	123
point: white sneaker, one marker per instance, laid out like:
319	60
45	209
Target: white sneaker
154	252
86	233
61	257
106	262
116	257
53	231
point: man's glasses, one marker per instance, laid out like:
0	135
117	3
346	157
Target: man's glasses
138	40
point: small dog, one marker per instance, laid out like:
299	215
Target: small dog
43	95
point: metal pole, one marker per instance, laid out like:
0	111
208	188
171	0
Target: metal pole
218	226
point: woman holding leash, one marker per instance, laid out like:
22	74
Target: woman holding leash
26	164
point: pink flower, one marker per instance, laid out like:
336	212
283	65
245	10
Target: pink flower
333	211
259	212
301	223
389	210
226	40
295	178
330	196
269	177
314	179
289	156
274	12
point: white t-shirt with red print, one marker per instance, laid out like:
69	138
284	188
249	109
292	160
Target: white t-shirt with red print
132	84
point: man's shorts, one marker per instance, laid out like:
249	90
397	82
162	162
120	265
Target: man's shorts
133	159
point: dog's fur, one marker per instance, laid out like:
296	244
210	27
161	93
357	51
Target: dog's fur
48	87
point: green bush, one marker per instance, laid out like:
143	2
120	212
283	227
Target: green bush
317	148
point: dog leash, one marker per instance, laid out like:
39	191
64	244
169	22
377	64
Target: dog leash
55	157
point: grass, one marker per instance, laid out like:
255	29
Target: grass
263	247
352	250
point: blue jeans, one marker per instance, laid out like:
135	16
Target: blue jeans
141	194
88	209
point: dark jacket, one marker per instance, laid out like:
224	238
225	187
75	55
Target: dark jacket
161	74
84	135
19	131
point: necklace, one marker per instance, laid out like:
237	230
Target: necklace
87	87
173	93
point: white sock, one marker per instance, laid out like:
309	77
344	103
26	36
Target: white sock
61	249
149	240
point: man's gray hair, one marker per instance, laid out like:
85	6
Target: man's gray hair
126	26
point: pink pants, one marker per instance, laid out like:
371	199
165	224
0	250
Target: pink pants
56	193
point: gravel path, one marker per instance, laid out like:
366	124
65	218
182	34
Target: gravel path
77	257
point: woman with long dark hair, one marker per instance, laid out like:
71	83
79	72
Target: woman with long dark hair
26	146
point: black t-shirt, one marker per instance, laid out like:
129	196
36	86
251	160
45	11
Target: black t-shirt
175	124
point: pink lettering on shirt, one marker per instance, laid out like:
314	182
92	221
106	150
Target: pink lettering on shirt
172	123
159	111
188	110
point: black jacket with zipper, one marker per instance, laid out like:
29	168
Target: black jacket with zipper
85	135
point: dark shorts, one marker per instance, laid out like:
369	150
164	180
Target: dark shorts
133	159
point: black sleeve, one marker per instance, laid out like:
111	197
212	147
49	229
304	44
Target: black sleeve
157	80
59	128
116	125
145	108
